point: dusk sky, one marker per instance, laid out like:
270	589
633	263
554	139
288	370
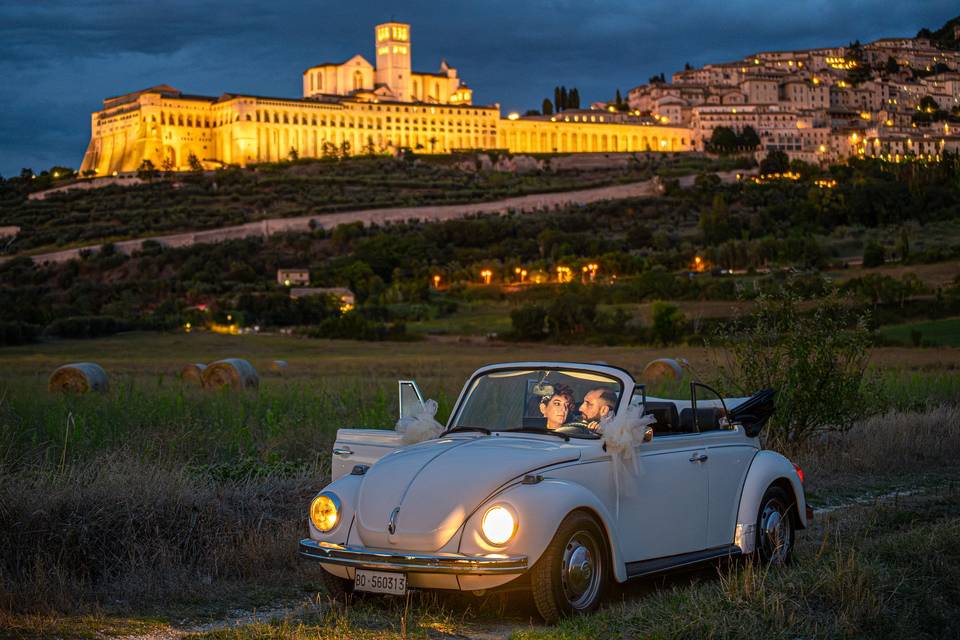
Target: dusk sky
59	59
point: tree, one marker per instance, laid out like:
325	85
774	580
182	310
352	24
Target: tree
146	170
618	101
776	161
668	323
715	222
167	164
814	361
344	149
892	65
748	138
293	155
195	164
563	99
573	99
687	67
557	102
722	140
547	107
873	255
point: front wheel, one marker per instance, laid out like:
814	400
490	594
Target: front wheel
571	575
775	530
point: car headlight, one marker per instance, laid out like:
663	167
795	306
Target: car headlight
499	524
325	511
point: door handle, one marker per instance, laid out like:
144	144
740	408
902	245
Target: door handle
698	457
344	451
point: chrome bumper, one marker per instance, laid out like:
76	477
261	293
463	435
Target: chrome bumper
411	562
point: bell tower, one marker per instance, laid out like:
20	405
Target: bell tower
393	58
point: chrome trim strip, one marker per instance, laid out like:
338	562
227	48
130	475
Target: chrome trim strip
411	562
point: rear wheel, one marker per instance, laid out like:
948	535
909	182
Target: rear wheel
339	589
775	531
571	575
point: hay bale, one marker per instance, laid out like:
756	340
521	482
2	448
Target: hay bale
193	373
278	366
662	370
79	377
235	373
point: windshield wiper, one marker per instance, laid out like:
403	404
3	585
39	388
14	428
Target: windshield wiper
548	432
456	429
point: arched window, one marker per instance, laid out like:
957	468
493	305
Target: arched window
436	91
357	80
319	81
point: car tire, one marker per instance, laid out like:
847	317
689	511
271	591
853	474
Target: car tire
338	589
571	576
775	527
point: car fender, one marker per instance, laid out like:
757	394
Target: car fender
540	508
767	468
346	489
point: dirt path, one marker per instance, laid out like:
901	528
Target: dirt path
264	228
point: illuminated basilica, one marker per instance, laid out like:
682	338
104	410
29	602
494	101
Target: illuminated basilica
350	107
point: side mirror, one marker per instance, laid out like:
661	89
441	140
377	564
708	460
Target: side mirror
411	400
648	434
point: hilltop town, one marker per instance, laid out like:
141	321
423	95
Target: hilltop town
891	98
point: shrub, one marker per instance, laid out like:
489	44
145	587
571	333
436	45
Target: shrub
528	322
13	333
814	361
86	327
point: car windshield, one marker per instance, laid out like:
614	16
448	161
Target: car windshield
567	401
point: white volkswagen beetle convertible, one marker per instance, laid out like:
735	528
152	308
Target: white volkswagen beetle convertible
557	478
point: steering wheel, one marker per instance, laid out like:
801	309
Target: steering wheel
579	430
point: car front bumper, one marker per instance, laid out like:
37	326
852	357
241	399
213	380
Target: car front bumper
387	560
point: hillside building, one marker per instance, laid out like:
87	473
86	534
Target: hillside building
350	107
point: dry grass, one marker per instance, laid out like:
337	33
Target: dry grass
904	445
114	527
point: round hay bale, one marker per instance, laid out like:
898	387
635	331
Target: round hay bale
278	366
193	373
662	370
235	373
79	377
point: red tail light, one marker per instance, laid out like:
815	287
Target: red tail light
799	472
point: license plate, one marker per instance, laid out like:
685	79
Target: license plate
380	582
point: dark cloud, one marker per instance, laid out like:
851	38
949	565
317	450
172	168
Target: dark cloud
59	59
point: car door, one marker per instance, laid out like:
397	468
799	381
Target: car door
729	453
728	456
664	511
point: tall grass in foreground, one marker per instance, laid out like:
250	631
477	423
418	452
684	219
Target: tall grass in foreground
115	525
878	572
168	421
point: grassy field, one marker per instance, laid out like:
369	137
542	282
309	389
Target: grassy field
218	483
940	333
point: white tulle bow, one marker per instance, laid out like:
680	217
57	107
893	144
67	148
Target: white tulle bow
622	435
421	426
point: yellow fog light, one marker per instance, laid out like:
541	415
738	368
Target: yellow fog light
498	525
325	511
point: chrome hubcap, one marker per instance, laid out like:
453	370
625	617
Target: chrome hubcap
775	532
580	570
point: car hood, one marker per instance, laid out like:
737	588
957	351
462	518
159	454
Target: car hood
436	484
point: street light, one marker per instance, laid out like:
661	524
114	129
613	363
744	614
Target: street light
487	276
